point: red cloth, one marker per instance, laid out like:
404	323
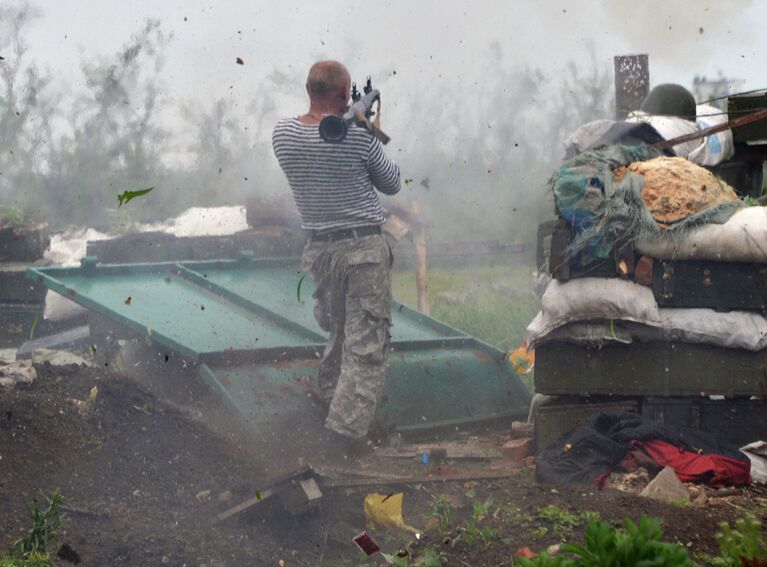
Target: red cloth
715	470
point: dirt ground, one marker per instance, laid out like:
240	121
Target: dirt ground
136	471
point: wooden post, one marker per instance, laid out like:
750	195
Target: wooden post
422	272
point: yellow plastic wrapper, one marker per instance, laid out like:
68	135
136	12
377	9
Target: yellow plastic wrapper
522	359
384	511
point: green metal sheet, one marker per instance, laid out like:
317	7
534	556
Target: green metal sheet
258	344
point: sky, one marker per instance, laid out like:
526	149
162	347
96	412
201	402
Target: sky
409	46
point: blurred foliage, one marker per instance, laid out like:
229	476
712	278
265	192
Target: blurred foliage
606	546
478	162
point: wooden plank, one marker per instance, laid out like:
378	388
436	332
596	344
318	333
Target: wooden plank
349	483
247	505
453	450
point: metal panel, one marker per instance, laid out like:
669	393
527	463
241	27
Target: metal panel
259	345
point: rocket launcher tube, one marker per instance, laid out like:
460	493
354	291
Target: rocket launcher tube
333	128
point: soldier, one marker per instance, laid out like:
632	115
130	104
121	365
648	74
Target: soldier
347	256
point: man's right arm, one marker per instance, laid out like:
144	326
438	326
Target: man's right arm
383	171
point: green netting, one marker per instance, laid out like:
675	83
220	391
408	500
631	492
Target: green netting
602	212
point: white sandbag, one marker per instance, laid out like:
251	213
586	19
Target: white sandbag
595	333
586	136
203	221
590	299
743	238
757	454
734	329
66	250
58	308
669	127
715	148
711	150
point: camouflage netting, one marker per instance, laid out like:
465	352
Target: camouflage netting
629	192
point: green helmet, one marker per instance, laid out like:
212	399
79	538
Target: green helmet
670	100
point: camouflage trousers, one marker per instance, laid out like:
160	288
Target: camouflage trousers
353	304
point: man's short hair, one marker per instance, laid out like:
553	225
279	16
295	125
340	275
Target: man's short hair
326	77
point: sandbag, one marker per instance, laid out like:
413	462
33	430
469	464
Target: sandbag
710	150
742	238
757	454
675	188
588	299
715	148
669	127
734	329
592	333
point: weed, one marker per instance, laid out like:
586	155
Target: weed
514	515
746	542
590	516
540	531
678	502
481	510
32	550
473	532
563	522
442	509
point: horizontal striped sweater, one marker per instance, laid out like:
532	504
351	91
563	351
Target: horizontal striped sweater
334	184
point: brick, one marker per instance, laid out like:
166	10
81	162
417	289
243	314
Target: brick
643	271
518	449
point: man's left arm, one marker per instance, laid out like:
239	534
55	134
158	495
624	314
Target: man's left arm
383	171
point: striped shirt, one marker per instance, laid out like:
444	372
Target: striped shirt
334	183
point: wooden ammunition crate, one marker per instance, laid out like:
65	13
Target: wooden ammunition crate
738	106
737	421
559	416
649	369
722	286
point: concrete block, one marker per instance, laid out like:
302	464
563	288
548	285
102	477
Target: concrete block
666	486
